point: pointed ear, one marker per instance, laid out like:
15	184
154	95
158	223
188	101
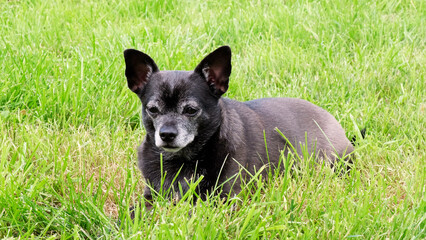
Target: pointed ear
216	68
139	67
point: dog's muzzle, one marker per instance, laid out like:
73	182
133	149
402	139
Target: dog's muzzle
172	137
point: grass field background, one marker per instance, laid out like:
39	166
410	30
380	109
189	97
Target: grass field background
69	126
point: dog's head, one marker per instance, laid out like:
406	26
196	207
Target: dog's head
179	108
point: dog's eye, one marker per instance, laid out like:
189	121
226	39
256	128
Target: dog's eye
153	110
190	111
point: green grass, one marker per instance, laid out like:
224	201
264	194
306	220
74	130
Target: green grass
69	126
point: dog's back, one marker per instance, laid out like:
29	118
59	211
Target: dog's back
304	124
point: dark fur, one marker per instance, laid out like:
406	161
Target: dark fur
226	134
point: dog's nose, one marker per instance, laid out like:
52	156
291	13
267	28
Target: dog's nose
168	133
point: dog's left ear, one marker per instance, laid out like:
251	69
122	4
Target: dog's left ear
139	68
216	68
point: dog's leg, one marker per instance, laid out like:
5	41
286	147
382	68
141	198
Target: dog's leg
148	205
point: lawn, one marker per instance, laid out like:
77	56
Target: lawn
69	126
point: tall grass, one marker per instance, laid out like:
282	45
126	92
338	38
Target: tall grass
69	125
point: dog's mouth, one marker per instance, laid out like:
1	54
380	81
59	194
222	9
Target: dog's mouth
171	149
175	144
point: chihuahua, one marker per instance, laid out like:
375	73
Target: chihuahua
192	131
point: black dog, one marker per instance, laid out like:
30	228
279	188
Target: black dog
199	133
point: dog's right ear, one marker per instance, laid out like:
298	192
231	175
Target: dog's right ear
139	67
216	68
